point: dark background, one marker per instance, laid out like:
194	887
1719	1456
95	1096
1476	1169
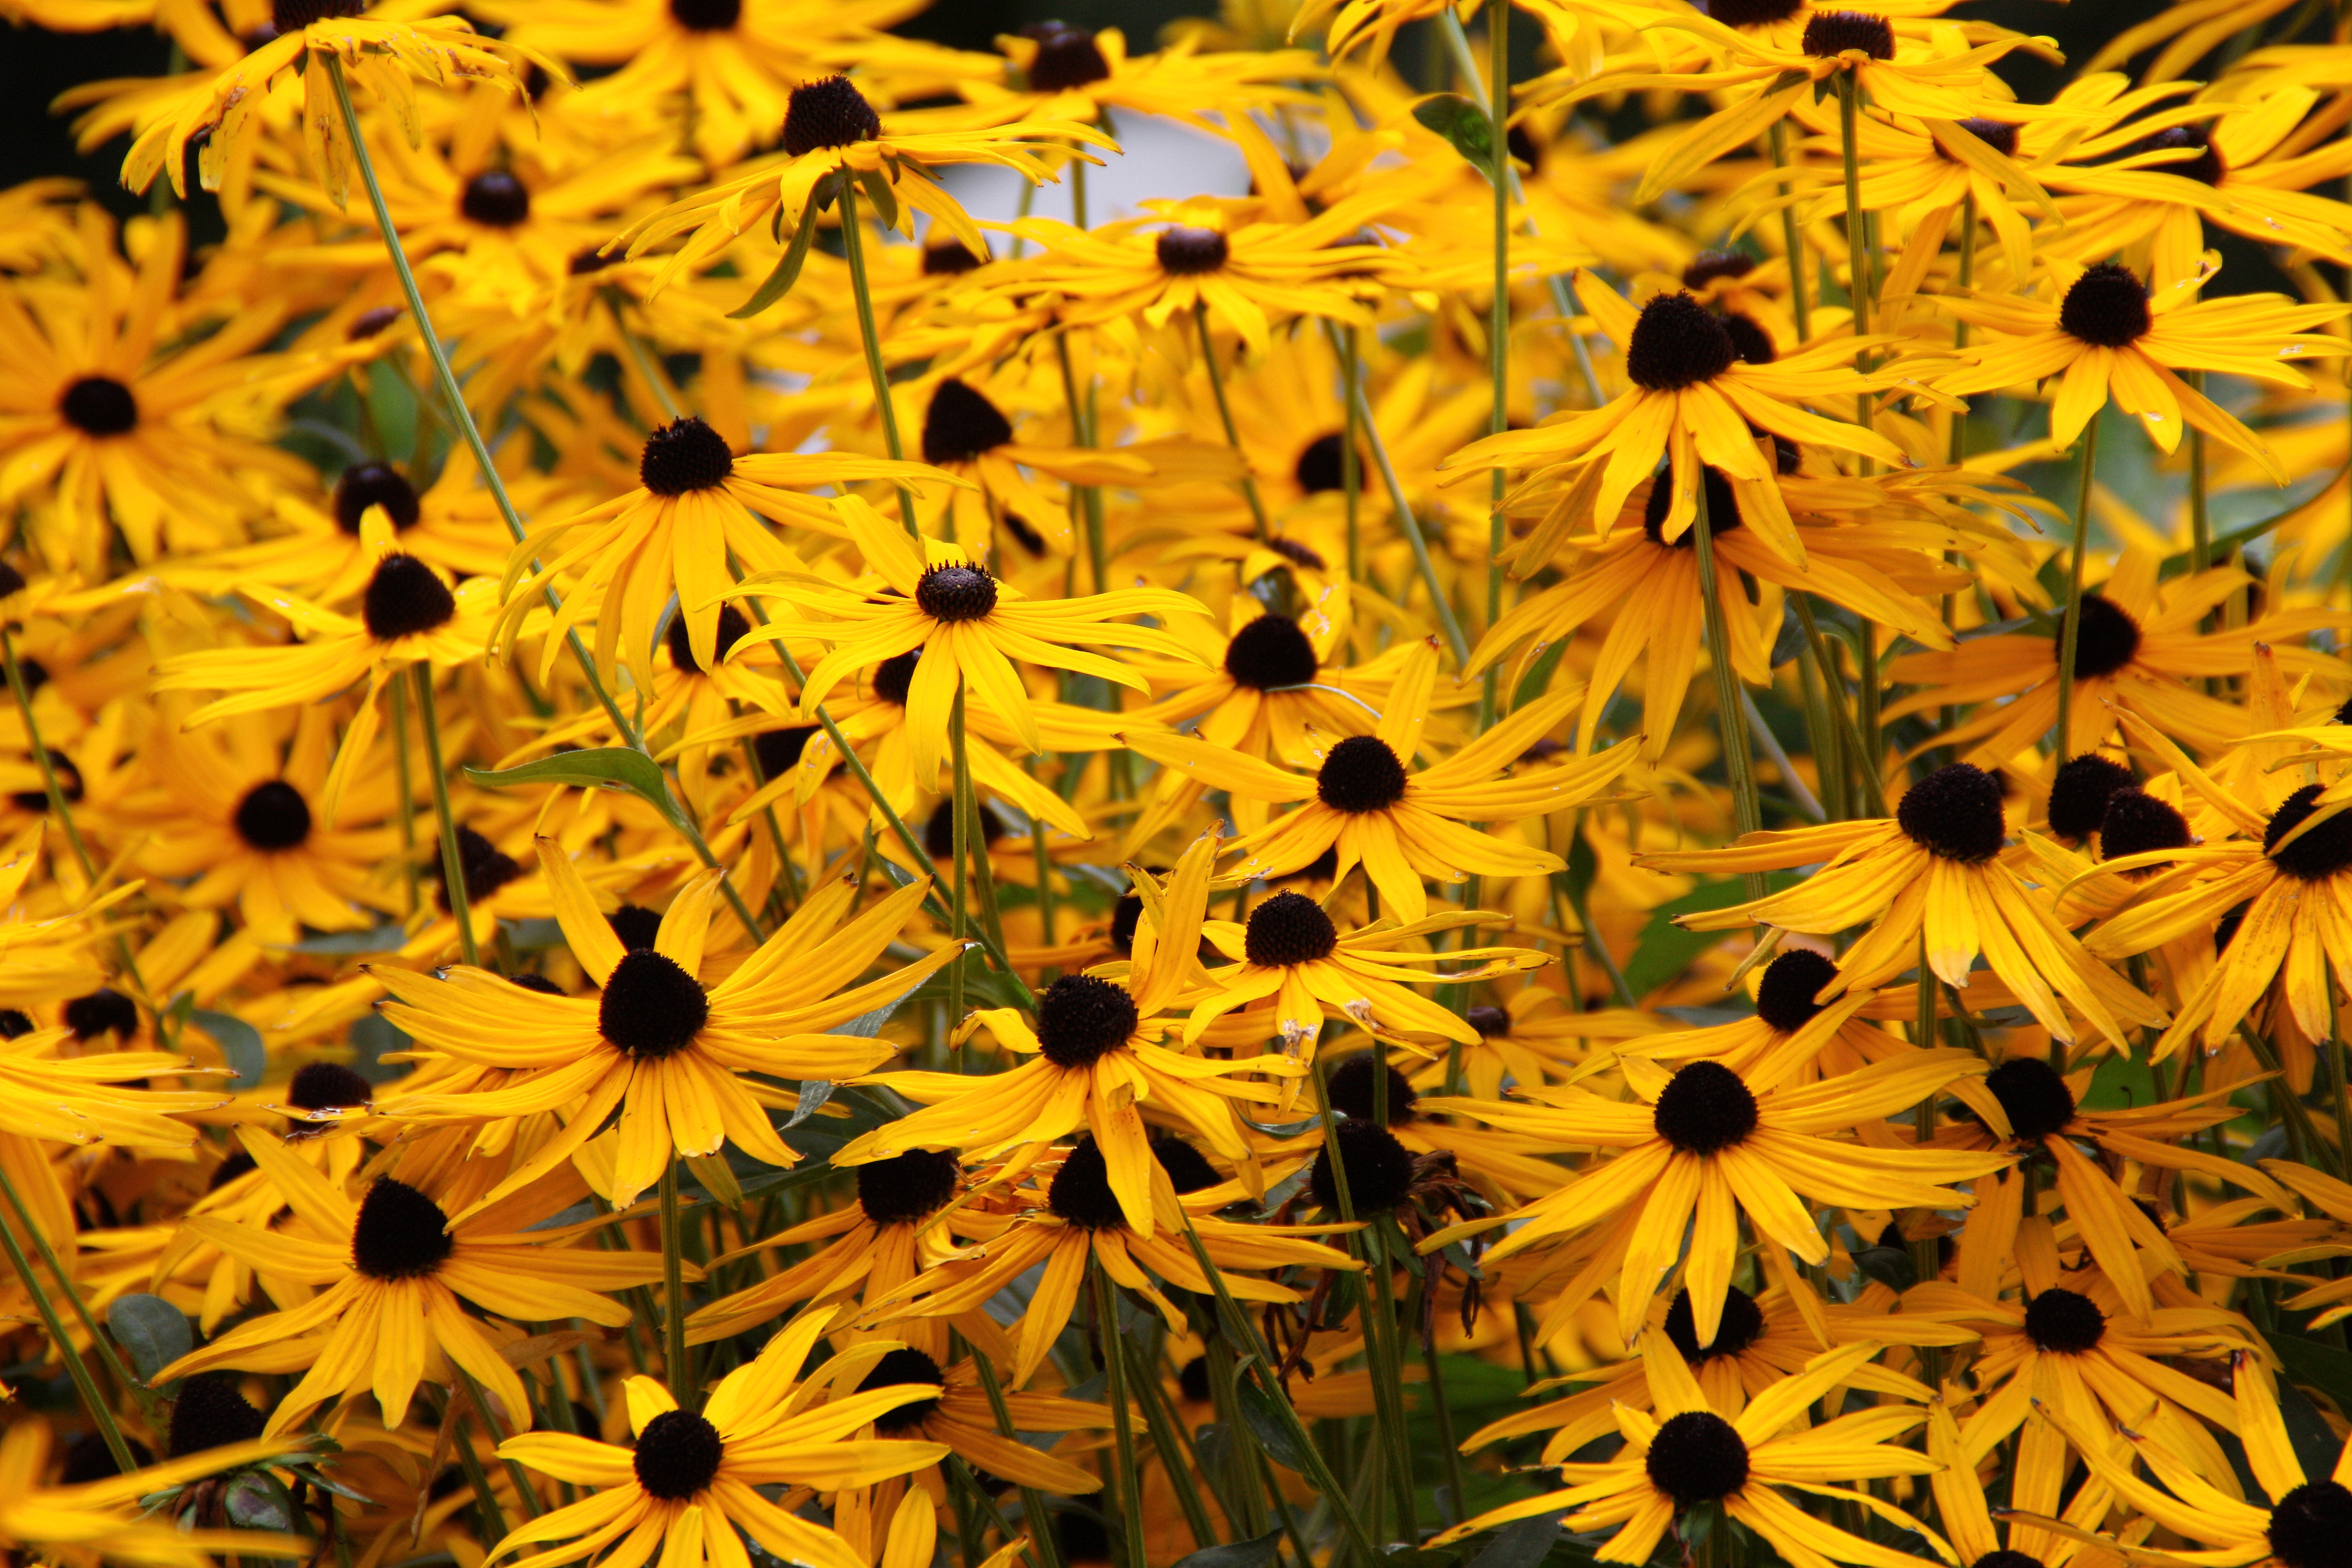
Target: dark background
36	65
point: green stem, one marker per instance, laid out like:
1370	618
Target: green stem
1792	239
1044	1552
453	864
852	246
1225	414
1169	1440
1857	238
115	1369
446	378
405	773
1130	1475
676	1371
959	912
2070	632
84	1384
490	1424
1832	692
1730	714
1406	522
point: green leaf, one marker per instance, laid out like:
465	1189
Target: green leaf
2318	1366
1666	949
1538	680
154	1331
787	271
240	1045
885	200
1464	124
1522	1544
606	767
1280	1438
1254	1553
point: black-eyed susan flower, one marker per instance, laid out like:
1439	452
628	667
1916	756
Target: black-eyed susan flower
1402	825
1684	1453
960	1416
390	1271
658	1046
1095	1059
1693	401
694	507
96	1520
1935	867
1701	1141
2104	339
408	615
690	1481
970	625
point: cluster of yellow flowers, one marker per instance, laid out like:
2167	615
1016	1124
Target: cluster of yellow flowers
702	859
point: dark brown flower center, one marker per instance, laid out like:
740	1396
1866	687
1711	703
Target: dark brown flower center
652	1008
1705	1109
273	816
2106	307
400	1234
496	199
1677	342
1289	929
404	598
962	424
677	1456
1184	251
363	485
1361	774
1955	812
1697	1456
828	113
98	406
684	455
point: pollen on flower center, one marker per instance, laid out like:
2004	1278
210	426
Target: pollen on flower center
2318	854
1722	508
909	1186
2136	823
1677	342
1080	1017
1705	1107
652	1008
328	1086
363	485
707	16
684	455
732	630
1830	33
1270	651
1741	1323
1351	1091
1289	929
2036	1099
2065	1322
962	424
2106	638
1184	251
273	816
98	406
1955	812
1784	998
1380	1169
2080	791
830	112
956	591
1362	775
1067	57
1697	1456
400	1234
677	1454
898	1368
2106	307
496	199
403	598
2310	1527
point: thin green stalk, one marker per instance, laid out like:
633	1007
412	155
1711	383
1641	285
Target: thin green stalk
959	912
1225	413
121	1374
852	246
1169	1440
1379	1343
2070	632
1441	1407
453	864
1832	686
1044	1552
85	1386
677	1370
446	378
1792	239
485	1502
1045	876
1130	1473
1088	499
647	368
528	1498
1351	462
1406	522
1730	716
407	797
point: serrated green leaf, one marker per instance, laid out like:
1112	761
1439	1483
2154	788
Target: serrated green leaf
605	767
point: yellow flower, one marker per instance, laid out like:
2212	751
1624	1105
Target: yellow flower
94	1521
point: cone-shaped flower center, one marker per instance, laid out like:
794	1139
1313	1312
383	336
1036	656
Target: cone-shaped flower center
1362	773
406	597
1955	812
1705	1109
652	1008
2106	307
684	455
1289	929
677	1454
400	1234
273	816
1080	1017
1697	1456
